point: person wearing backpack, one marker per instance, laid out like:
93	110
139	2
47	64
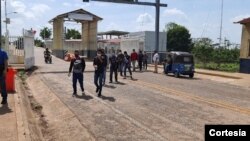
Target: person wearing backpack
127	64
3	72
78	66
113	67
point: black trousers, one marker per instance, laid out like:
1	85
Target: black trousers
140	65
113	70
127	66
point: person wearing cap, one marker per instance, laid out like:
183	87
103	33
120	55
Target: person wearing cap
3	72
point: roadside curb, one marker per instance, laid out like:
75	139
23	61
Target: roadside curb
216	74
21	129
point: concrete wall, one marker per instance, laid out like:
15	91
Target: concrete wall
130	44
58	38
144	41
244	50
150	41
89	37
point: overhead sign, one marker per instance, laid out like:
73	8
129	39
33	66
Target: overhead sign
76	16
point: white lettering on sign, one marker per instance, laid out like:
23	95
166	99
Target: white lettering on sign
213	132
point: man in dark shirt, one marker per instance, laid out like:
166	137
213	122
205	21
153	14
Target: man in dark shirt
105	64
120	58
113	67
140	59
3	72
47	55
127	65
78	66
99	69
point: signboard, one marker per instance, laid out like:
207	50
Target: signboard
76	16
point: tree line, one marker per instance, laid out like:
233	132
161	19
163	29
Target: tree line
207	54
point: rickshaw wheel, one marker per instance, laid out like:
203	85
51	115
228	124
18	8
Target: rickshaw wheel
166	72
191	75
176	74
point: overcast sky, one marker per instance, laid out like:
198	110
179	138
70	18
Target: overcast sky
201	17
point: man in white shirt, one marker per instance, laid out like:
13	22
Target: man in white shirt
156	61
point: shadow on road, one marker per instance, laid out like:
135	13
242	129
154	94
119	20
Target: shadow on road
58	72
109	86
120	83
111	99
85	97
184	77
5	109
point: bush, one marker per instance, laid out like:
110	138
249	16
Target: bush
228	67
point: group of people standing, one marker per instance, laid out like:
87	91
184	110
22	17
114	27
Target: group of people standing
120	62
141	58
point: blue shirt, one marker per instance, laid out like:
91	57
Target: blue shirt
3	57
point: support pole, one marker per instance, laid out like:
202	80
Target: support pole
157	24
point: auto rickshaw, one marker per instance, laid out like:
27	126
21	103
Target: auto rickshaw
179	63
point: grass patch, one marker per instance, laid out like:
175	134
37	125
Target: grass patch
227	67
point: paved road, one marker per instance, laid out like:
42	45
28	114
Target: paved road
151	107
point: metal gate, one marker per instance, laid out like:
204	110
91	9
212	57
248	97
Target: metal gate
20	49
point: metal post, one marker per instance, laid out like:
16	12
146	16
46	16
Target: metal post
157	24
6	28
221	22
0	25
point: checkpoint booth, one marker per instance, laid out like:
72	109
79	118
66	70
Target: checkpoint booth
89	24
245	46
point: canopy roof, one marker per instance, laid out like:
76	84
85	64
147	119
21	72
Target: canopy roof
113	32
80	13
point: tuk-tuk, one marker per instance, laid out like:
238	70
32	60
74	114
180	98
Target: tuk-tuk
179	63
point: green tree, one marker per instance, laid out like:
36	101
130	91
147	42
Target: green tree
203	50
73	34
2	40
45	33
39	43
178	38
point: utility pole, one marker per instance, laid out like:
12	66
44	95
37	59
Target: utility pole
221	22
157	5
157	24
5	4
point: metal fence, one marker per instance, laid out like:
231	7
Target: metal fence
20	49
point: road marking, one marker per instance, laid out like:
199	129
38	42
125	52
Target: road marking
193	97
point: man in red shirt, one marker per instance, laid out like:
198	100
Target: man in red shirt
134	57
